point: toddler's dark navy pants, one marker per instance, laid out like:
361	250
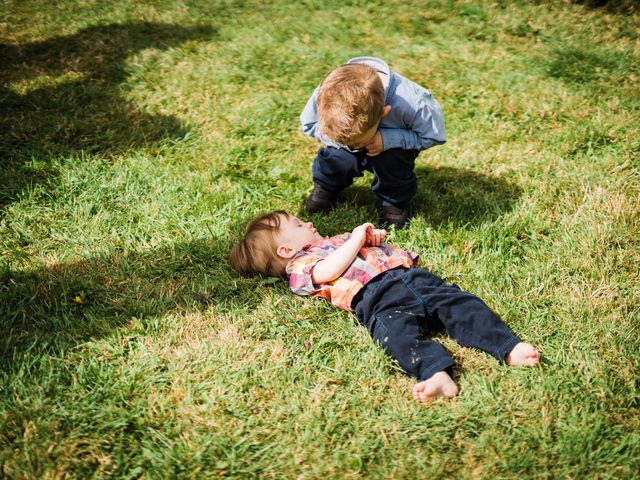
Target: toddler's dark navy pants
394	181
400	307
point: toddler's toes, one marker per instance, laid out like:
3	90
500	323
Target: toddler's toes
418	392
524	355
415	394
439	385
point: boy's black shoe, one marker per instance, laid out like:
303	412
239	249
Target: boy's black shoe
320	200
394	216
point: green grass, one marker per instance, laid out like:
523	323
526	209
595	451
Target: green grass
137	137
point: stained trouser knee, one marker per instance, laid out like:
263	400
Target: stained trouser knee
395	317
398	332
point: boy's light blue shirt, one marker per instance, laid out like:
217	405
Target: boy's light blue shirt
414	122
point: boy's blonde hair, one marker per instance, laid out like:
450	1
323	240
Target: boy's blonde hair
350	102
256	252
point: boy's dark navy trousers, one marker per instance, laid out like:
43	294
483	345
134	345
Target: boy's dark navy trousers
394	181
401	306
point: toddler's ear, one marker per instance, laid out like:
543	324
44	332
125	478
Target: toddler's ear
285	251
386	110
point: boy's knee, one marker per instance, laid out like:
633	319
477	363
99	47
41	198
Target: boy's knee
398	155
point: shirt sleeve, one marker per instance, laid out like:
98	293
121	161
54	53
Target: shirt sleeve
300	272
309	116
425	129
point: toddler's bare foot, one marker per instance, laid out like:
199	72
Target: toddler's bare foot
523	354
439	385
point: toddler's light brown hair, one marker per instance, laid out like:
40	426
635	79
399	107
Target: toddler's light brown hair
350	102
256	252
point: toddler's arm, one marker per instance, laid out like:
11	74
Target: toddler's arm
335	264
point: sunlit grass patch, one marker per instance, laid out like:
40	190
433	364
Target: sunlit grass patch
137	140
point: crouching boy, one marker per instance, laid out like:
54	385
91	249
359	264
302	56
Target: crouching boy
370	118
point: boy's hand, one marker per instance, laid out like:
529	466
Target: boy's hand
366	234
375	146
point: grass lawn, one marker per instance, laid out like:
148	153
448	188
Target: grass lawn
137	137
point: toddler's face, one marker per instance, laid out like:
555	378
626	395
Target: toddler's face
295	233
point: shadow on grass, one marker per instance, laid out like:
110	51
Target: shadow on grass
62	96
449	195
56	307
621	7
595	66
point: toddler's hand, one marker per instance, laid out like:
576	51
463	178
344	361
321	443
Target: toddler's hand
360	232
375	236
368	235
375	146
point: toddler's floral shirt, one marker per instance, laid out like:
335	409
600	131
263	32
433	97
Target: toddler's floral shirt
370	262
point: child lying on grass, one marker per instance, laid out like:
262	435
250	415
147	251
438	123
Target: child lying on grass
397	302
